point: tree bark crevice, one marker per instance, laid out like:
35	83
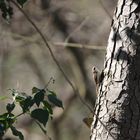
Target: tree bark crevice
118	103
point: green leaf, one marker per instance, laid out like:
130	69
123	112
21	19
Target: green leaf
35	90
39	97
17	133
52	92
21	2
3	116
40	115
7	119
53	99
3	97
6	9
10	107
48	107
1	127
2	130
27	103
19	98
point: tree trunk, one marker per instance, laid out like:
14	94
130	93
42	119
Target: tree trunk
117	110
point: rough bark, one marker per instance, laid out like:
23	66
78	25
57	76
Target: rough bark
117	110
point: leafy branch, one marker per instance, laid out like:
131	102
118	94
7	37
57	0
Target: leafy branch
38	106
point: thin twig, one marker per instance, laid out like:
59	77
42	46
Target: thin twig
44	131
77	45
104	126
50	80
57	63
76	29
52	54
34	39
19	115
105	9
45	41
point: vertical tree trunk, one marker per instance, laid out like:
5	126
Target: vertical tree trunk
117	111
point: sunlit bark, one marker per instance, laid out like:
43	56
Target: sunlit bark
117	111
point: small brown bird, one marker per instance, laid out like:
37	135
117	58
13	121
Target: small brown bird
96	75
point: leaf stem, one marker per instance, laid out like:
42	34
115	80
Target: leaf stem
19	115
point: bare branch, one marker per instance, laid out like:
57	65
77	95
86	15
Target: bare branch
34	40
109	15
76	29
76	91
77	45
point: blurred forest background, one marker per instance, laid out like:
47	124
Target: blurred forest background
78	31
